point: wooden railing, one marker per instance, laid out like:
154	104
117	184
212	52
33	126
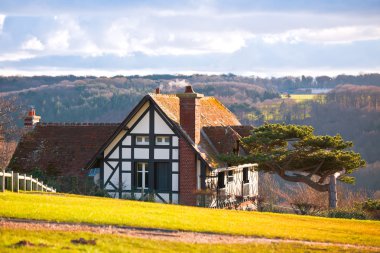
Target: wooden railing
16	182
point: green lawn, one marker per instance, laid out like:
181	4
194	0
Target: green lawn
54	241
72	208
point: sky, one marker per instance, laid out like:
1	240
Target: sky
252	37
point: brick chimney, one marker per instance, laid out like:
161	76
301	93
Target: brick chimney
190	120
31	119
190	115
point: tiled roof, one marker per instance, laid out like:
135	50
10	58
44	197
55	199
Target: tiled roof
213	112
66	147
219	126
221	140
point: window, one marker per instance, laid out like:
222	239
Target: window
245	175
162	140
230	176
162	176
221	183
142	140
142	176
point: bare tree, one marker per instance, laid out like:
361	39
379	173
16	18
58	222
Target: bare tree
9	133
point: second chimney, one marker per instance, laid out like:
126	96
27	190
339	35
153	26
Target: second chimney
31	119
189	113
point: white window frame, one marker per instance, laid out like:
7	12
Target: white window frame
143	172
144	139
162	140
230	178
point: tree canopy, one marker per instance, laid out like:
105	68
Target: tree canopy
296	154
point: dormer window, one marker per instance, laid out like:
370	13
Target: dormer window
142	140
162	140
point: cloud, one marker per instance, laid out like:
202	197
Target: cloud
59	40
33	44
188	36
16	56
2	19
127	36
334	35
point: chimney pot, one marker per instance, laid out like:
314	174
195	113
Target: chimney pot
189	89
158	90
31	119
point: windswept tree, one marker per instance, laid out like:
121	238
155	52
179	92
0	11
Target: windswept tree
296	154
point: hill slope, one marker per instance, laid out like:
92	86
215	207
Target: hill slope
93	210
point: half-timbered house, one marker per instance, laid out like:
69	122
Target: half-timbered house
167	149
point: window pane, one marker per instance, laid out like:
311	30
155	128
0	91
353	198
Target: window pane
221	180
162	140
245	175
141	168
146	179
230	176
139	179
142	140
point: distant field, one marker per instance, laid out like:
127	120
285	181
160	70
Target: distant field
81	209
303	97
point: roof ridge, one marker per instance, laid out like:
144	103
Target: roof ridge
43	124
162	95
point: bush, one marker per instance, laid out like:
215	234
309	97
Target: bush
347	214
372	207
305	208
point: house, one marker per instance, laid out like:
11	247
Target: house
166	149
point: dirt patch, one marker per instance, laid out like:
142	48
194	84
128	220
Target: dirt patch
84	241
25	243
161	234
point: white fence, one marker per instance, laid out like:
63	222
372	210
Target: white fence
16	182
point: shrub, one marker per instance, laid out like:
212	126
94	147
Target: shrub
347	214
305	208
372	207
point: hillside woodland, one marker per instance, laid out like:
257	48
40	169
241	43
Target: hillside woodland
351	108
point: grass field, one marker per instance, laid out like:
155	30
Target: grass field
61	242
81	209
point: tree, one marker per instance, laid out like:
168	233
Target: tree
297	155
8	130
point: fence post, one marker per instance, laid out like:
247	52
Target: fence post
11	182
16	183
31	183
24	184
2	181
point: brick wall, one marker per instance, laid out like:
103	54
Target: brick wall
190	117
187	174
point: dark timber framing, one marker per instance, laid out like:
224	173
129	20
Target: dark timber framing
178	132
150	161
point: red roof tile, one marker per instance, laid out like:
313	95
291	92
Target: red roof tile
221	140
213	112
66	147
